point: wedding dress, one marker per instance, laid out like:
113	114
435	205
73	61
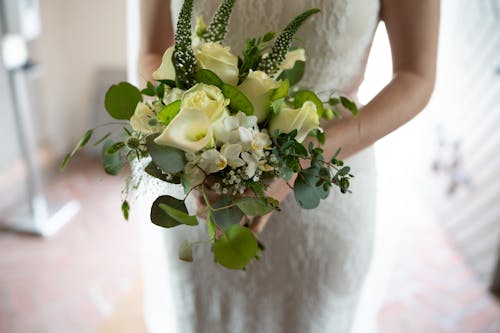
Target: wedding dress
315	260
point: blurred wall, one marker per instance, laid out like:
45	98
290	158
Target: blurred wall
79	39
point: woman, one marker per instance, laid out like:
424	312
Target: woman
315	262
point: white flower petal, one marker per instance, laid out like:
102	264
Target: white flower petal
212	161
189	131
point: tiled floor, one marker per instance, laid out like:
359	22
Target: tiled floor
70	282
86	278
433	290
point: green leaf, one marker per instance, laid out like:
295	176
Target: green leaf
307	95
168	159
121	100
208	77
306	193
238	100
186	251
114	148
254	206
160	217
349	105
149	90
336	154
295	74
281	91
125	209
179	216
154	171
226	217
160	90
168	112
211	227
277	105
81	143
333	101
235	248
101	140
112	163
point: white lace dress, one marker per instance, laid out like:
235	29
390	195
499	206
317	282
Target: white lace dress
315	260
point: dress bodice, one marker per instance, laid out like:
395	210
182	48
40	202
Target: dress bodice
336	40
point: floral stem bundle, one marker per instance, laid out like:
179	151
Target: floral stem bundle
226	127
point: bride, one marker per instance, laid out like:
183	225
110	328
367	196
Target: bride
312	271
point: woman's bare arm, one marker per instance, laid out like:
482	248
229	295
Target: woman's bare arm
157	34
412	27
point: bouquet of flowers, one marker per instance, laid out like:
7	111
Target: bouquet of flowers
216	122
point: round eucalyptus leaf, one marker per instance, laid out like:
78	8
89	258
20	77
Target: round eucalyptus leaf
253	206
160	217
306	193
294	75
168	159
235	248
121	99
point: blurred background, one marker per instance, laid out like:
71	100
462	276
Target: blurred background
69	263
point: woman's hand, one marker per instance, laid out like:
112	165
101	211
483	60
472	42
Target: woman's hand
278	189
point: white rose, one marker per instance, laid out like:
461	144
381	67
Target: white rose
207	98
144	120
257	86
219	60
166	71
303	120
189	131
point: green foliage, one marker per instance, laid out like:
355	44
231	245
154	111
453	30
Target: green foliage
306	192
349	105
226	217
303	96
235	248
295	74
112	163
160	217
208	77
154	171
149	90
179	216
277	105
254	206
253	54
186	251
238	100
211	227
121	100
102	139
81	143
281	91
271	63
183	57
168	112
217	28
125	209
168	159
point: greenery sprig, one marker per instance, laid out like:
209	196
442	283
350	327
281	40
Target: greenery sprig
271	63
217	28
183	57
